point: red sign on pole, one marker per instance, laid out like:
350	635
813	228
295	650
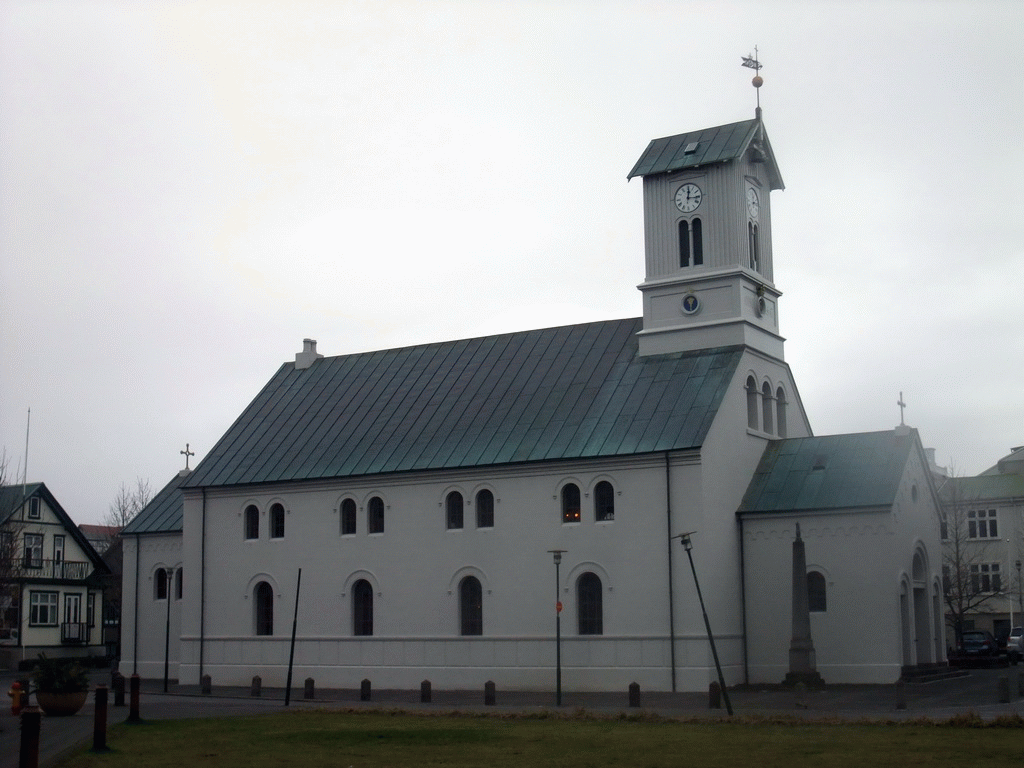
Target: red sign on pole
558	607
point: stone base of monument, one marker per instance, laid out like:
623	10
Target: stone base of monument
804	680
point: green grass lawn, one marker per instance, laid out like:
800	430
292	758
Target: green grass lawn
363	739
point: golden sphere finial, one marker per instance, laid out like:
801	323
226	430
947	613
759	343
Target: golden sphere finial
758	81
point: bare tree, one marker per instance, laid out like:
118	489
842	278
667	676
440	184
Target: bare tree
128	502
969	579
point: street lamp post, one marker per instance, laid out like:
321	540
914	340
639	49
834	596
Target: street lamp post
1020	594
558	629
688	546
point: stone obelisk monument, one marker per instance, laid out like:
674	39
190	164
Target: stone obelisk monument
802	664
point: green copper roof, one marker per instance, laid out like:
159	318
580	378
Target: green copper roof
558	393
706	147
163	514
807	474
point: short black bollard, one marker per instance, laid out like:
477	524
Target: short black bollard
425	692
99	721
257	686
1020	684
310	692
634	694
118	684
135	684
1004	690
901	694
489	693
714	696
206	685
364	690
28	756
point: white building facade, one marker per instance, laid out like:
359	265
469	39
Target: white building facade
423	492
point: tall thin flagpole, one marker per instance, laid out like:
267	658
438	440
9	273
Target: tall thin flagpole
24	472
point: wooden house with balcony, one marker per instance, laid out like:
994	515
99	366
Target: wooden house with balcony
51	580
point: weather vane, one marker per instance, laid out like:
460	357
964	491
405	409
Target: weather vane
753	63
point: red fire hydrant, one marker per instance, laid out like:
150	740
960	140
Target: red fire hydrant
17	698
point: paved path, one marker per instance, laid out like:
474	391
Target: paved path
978	692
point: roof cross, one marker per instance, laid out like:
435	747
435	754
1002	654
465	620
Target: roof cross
186	453
902	405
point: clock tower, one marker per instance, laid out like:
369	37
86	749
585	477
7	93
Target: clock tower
707	233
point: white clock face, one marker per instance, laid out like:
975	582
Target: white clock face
688	197
753	205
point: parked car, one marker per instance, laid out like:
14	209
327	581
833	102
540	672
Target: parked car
1015	645
976	645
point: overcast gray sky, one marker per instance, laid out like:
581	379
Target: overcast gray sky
188	189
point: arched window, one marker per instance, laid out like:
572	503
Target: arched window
453	510
752	403
263	601
604	501
766	398
375	515
348	517
362	608
570	503
780	412
816	597
471	606
691	243
485	509
252	522
160	584
588	598
754	246
277	522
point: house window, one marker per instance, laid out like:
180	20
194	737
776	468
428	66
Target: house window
263	602
362	608
252	522
817	599
160	584
485	509
691	243
178	586
780	412
985	578
42	609
588	598
981	524
375	515
753	403
33	550
604	501
90	609
471	606
754	246
277	522
348	517
453	510
34	512
767	406
570	503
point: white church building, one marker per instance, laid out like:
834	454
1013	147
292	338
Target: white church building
423	492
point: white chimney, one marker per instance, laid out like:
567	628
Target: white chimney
307	356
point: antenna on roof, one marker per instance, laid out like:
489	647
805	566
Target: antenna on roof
753	63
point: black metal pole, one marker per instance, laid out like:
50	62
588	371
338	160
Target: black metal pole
291	653
167	628
558	637
711	637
